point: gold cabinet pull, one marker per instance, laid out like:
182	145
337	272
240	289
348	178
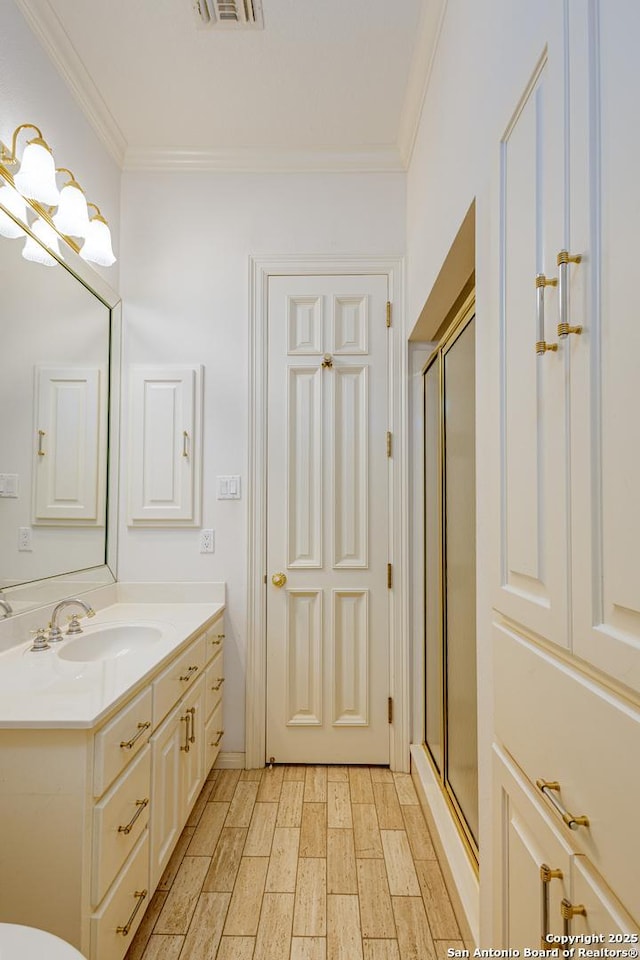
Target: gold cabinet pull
564	259
140	804
549	788
128	744
186	746
569	910
546	876
219	682
192	713
188	675
41	436
220	736
279	579
140	896
327	361
185	444
217	640
542	346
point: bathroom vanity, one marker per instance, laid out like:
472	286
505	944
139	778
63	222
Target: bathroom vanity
106	740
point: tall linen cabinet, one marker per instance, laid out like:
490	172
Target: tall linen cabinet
566	564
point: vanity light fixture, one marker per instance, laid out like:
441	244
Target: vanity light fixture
35	181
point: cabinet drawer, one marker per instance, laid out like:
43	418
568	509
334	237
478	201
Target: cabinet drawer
214	680
214	639
561	726
119	741
113	926
213	732
118	821
178	677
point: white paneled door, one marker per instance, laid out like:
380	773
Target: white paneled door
327	520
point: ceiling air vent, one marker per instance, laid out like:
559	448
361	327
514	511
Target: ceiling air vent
224	14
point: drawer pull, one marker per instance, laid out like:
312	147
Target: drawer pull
216	641
187	746
140	804
192	714
220	681
552	785
220	736
140	896
190	672
564	259
568	911
127	744
546	876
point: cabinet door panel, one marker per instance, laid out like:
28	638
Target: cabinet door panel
192	771
603	913
605	381
166	811
532	576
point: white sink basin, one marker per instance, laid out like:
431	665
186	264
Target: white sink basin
111	641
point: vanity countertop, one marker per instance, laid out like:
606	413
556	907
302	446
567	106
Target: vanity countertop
43	690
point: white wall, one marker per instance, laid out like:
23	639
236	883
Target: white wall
486	53
186	242
32	91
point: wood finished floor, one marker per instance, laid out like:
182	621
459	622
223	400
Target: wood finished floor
301	863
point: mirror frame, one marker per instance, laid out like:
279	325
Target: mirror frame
86	275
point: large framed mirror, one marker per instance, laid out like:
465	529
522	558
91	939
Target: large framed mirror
59	377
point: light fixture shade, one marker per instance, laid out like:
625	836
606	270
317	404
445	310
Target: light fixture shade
97	246
72	216
15	203
34	251
36	178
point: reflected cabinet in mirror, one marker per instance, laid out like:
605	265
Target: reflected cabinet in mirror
54	396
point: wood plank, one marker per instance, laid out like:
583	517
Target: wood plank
246	900
442	946
163	948
309	948
283	864
225	862
176	859
200	804
387	807
376	913
310	914
225	785
365	831
414	937
342	876
290	807
381	775
241	808
236	948
271	785
182	898
260	836
405	788
338	805
315	785
403	881
205	838
206	926
338	774
360	784
381	950
273	941
442	919
344	937
255	774
418	833
313	832
295	771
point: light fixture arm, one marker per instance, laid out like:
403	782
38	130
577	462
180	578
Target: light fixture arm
73	182
11	158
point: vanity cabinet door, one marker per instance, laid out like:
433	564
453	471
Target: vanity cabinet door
164	445
167	748
192	770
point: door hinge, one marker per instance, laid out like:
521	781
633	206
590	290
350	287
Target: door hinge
388	313
390	709
389	576
389	443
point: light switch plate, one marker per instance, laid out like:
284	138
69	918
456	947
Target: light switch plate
228	488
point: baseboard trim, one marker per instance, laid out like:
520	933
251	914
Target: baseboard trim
459	875
230	760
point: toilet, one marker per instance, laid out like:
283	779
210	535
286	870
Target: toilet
28	943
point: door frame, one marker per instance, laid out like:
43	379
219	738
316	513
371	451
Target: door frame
260	270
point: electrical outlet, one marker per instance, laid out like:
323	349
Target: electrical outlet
24	539
207	541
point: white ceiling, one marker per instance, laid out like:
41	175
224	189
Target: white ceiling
328	84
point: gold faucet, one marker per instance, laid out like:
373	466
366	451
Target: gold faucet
55	633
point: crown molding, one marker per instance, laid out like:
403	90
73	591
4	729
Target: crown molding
424	54
265	160
51	34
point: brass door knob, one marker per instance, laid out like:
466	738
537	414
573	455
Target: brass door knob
279	579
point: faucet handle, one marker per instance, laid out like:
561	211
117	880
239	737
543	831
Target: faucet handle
74	624
39	640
